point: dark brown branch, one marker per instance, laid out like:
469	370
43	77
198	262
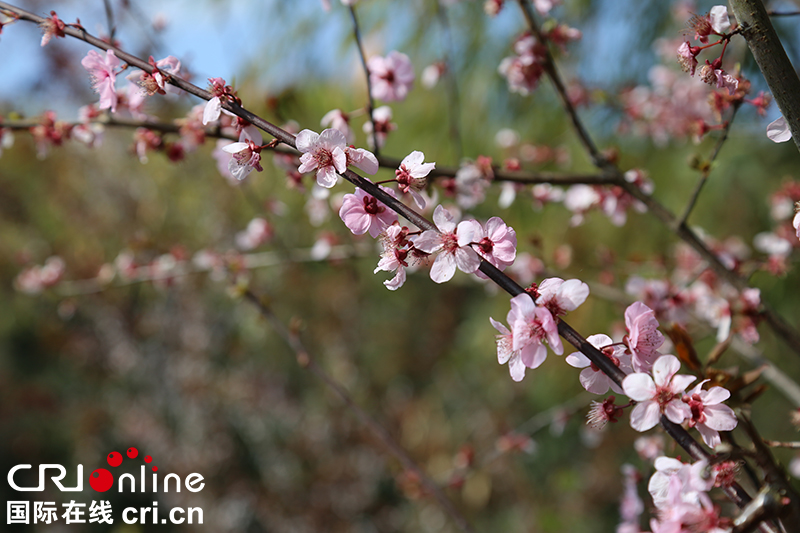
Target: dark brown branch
771	57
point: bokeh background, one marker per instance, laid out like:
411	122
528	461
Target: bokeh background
188	372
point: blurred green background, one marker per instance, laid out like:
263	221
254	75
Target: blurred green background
190	374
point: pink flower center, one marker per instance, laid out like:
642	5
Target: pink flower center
403	178
401	255
663	396
486	245
450	243
388	76
608	351
323	157
696	405
371	206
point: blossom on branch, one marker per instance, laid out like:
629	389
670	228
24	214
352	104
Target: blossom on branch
496	242
362	213
411	175
323	152
709	415
390	77
52	27
338	120
559	296
657	394
505	351
592	378
382	123
102	70
395	251
454	250
643	338
532	325
157	81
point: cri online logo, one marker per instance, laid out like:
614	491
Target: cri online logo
101	479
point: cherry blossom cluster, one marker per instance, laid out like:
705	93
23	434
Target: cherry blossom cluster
533	321
35	279
694	291
524	69
652	381
680	494
715	23
779	243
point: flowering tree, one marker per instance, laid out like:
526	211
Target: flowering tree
709	467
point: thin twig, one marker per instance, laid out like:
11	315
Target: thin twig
370	101
307	361
112	28
555	78
783	14
782	444
706	172
453	100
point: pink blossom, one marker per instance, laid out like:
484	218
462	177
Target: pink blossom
532	325
361	213
579	199
709	415
690	479
592	378
505	351
52	27
687	57
213	107
411	175
718	16
560	297
523	71
452	253
363	159
157	82
245	154
323	152
382	121
496	242
246	157
338	120
778	131
35	279
470	185
431	74
391	77
643	339
726	81
393	258
631	506
658	394
102	70
257	233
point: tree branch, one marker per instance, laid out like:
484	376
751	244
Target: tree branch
768	52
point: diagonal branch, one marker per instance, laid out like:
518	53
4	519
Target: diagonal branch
789	334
